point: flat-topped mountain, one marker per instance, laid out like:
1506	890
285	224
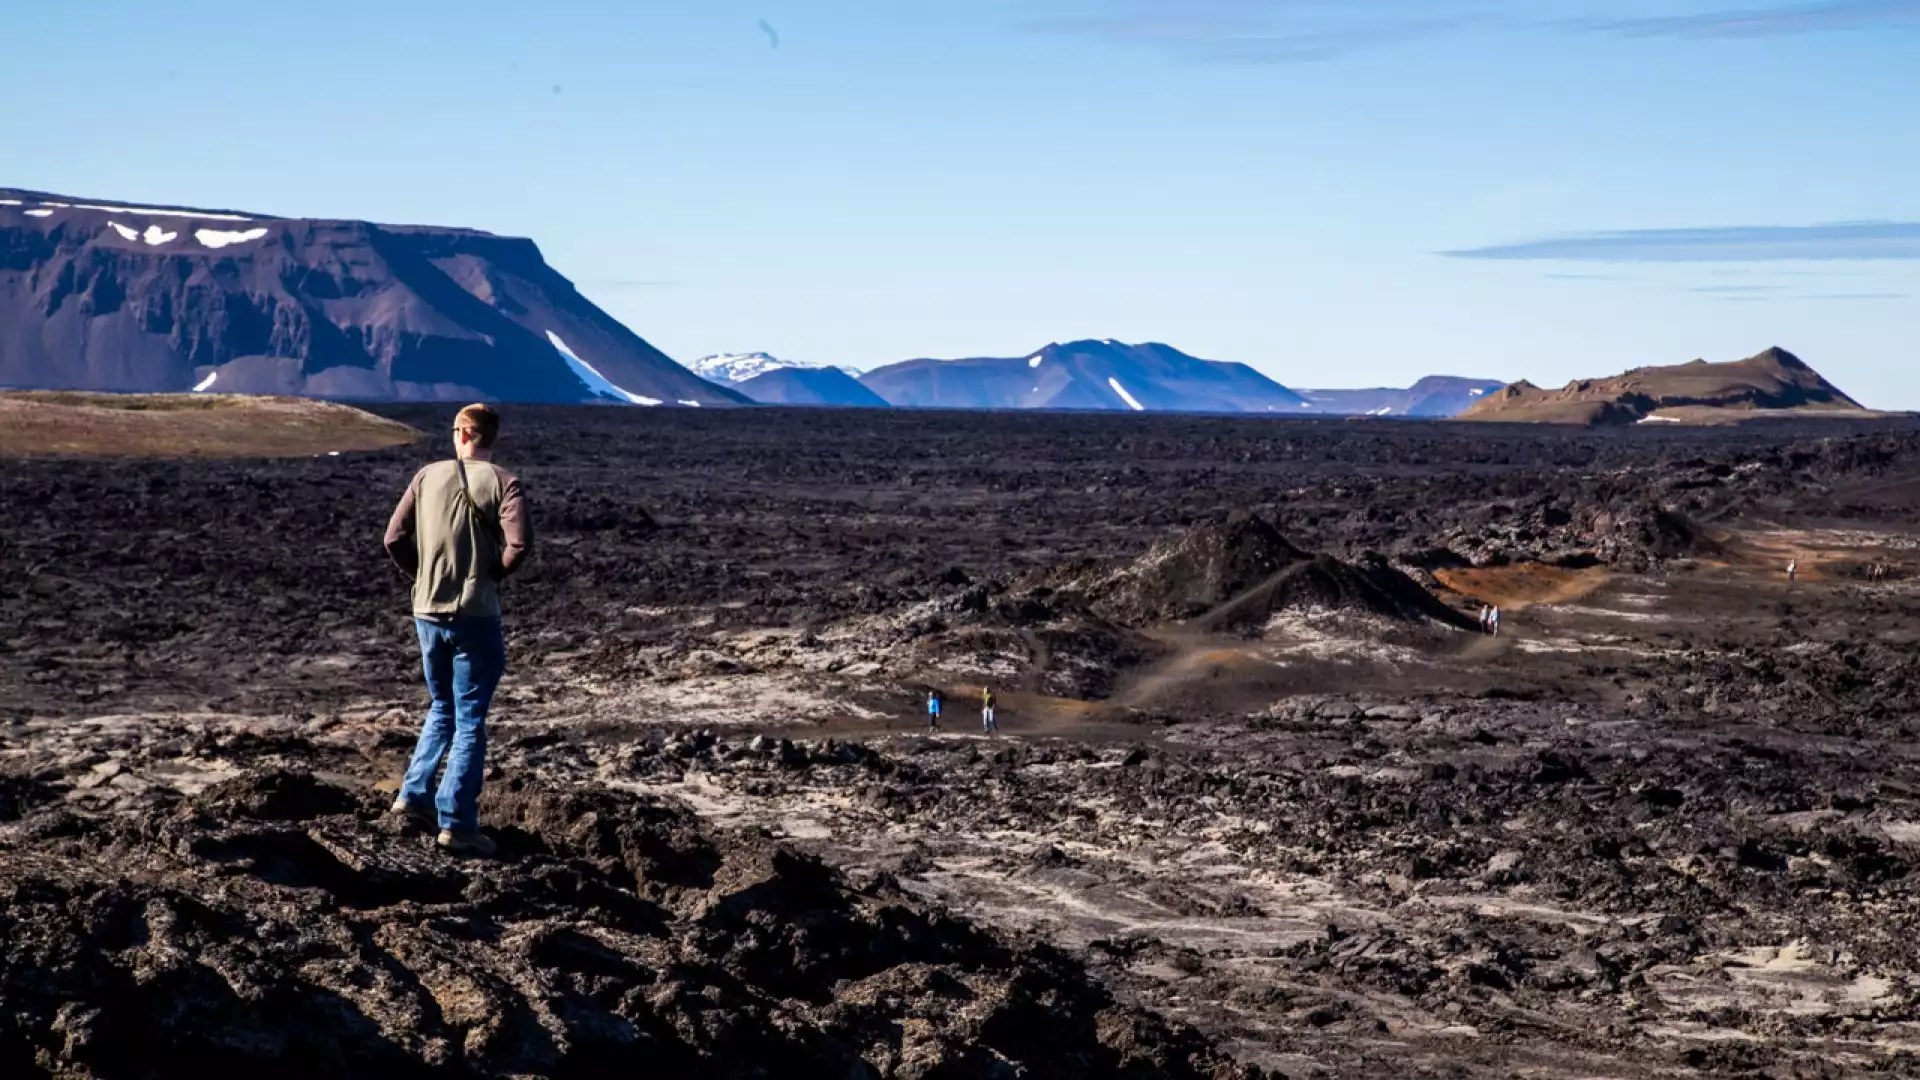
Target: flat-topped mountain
1434	397
104	295
1102	375
1772	382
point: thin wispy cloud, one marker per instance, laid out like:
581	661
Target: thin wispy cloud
1866	240
1584	277
1731	289
1861	296
1306	31
1768	21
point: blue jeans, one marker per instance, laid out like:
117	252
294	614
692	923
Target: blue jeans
463	658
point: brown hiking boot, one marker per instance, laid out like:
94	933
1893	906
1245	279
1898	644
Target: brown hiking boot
421	815
466	843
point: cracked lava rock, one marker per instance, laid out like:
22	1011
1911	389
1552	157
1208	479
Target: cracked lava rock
277	920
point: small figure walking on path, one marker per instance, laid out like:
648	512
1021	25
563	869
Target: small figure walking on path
933	710
1486	618
987	723
1793	571
1494	621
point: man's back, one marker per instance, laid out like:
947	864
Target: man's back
460	528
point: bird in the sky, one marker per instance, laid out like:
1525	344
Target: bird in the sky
773	36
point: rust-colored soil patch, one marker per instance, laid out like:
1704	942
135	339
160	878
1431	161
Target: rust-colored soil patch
1519	587
1820	554
182	425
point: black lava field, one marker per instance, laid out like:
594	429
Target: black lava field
1265	800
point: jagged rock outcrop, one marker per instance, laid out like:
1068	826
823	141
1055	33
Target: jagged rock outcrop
1239	573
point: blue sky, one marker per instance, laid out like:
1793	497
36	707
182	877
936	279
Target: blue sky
1339	192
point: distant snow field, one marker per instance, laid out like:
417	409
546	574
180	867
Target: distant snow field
46	209
219	238
148	211
201	386
1124	396
594	381
125	233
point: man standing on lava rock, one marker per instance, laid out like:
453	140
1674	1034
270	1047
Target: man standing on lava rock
459	530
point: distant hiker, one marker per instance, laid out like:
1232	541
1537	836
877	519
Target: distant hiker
459	530
1486	618
986	711
1493	620
933	710
1793	570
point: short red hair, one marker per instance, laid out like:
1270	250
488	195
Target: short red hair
483	420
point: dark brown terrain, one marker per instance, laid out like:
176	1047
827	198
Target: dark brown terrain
44	423
1262	791
1771	383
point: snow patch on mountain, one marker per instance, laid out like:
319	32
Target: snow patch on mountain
595	381
733	368
1132	403
151	211
219	238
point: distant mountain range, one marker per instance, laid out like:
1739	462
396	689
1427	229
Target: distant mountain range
105	295
770	380
1093	375
1774	382
114	296
731	368
1434	397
